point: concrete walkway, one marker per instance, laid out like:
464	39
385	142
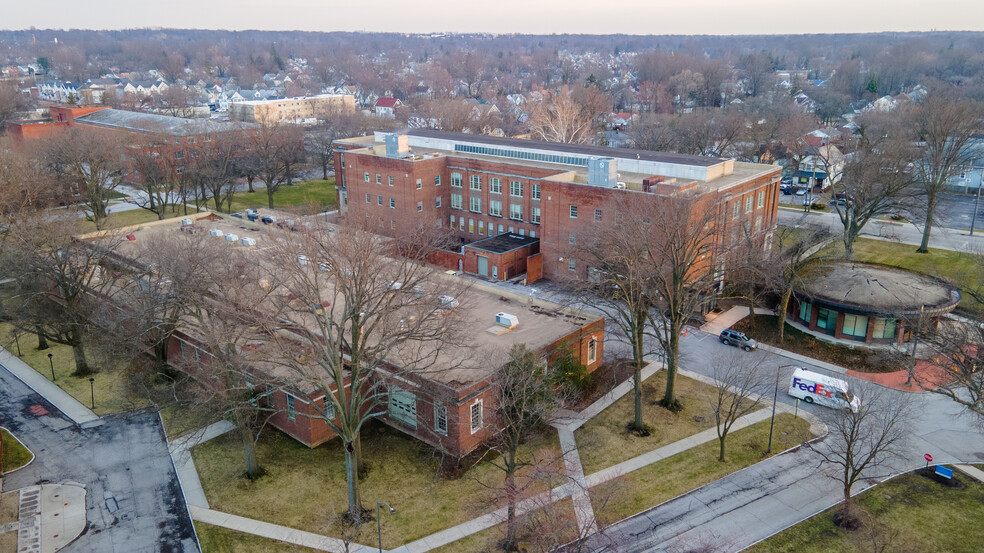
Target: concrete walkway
727	319
276	532
184	465
71	407
49	517
971	471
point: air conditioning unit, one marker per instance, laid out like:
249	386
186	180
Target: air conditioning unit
232	238
620	185
448	302
249	242
215	232
185	222
302	260
506	320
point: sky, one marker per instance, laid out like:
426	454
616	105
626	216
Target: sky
717	17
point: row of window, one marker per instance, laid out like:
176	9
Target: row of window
495	208
532	156
736	206
495	185
459	223
403	407
389	179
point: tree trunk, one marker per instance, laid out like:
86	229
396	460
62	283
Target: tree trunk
781	311
81	364
352	479
930	211
249	449
511	529
637	360
721	455
672	357
42	341
249	183
357	452
269	191
324	169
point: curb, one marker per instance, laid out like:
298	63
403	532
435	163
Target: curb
31	460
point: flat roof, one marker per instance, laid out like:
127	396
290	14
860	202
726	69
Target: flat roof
153	122
582	149
540	322
503	243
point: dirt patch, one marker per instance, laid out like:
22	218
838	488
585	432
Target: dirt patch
603	380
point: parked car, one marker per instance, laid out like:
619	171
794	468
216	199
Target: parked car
731	337
268	220
787	181
237	215
786	189
801	191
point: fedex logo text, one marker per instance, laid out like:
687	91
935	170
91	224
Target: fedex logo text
817	389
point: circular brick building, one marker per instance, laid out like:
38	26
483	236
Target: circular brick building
869	303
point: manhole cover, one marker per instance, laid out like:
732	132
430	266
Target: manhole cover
38	411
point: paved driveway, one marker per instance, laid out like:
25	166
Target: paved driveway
133	500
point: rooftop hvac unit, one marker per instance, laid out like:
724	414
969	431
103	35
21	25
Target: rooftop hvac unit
232	238
448	302
248	241
506	320
302	260
620	185
185	222
215	232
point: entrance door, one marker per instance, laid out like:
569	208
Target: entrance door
483	266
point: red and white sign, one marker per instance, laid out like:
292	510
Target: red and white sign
928	457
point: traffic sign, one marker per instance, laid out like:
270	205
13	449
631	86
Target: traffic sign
928	457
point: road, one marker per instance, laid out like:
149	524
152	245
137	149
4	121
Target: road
133	499
747	506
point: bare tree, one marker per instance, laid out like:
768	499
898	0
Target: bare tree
959	349
561	119
783	267
652	132
864	441
89	163
216	169
374	315
155	169
11	101
739	381
944	126
274	149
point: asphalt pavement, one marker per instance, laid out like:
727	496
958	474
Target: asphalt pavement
133	500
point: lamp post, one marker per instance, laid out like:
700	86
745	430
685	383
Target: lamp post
915	342
52	365
977	203
92	391
17	342
775	399
379	528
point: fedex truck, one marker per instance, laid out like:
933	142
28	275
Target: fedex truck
819	388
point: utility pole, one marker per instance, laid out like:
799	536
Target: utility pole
977	202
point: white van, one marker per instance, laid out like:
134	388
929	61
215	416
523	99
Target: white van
819	388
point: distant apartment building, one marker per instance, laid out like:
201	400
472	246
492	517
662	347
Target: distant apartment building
519	205
293	110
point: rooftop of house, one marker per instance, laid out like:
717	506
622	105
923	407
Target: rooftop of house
153	123
481	347
296	98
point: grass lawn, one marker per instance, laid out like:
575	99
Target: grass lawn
132	217
216	539
960	268
765	328
604	441
305	487
313	196
909	513
15	455
666	479
110	389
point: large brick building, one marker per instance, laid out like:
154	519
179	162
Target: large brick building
295	110
542	194
449	405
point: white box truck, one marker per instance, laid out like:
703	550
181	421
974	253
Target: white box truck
824	390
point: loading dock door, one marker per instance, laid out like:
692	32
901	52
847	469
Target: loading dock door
483	266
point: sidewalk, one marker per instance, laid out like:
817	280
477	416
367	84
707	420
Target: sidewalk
78	413
727	319
184	465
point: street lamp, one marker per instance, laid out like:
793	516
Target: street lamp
92	391
17	341
775	399
52	365
915	342
379	529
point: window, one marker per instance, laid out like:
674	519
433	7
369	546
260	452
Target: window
884	329
826	320
420	184
532	234
495	208
456	201
748	204
403	406
437	202
392	203
592	350
329	411
390	180
441	419
461	224
481	228
177	140
735	209
495	185
291	413
535	191
476	416
475	204
573	212
366	175
805	312
420	206
475	182
471	226
761	198
516	189
572	238
855	326
536	216
437	180
516	212
379	179
500	229
379	200
208	138
179	155
597	217
454	221
570	264
368	198
758	223
456	180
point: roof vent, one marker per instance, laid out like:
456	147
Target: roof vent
215	232
185	222
232	238
302	260
506	320
248	242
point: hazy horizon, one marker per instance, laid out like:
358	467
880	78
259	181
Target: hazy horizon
637	17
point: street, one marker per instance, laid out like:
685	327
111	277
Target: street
133	500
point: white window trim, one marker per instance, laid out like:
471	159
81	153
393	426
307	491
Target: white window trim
471	415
